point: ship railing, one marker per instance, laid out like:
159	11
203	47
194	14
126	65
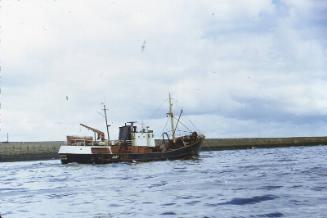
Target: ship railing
99	143
122	142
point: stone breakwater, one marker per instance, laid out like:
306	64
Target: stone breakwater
24	151
248	143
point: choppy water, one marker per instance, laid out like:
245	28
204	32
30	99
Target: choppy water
287	182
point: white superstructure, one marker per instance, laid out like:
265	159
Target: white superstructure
75	149
143	138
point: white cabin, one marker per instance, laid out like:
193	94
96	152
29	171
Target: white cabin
143	138
129	133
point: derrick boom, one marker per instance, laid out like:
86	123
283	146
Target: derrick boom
100	134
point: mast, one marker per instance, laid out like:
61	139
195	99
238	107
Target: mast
107	126
171	115
105	117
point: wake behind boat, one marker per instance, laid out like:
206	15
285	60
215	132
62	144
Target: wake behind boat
132	145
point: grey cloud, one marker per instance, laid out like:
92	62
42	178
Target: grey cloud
269	110
246	66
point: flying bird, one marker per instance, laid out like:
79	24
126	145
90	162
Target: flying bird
67	98
143	46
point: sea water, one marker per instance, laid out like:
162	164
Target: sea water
285	182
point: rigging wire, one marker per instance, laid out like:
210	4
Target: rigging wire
183	131
165	126
198	130
184	125
157	109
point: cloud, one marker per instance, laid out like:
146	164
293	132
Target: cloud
235	67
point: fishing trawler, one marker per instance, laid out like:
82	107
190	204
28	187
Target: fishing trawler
133	145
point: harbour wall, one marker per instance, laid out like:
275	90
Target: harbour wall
249	143
25	151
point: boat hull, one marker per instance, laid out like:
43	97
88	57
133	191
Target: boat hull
185	152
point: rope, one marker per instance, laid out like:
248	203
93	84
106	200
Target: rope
157	109
184	125
165	126
194	126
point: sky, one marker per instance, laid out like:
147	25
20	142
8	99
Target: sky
237	68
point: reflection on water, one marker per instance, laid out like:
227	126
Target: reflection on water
287	182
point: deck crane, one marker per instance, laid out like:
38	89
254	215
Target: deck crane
100	134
